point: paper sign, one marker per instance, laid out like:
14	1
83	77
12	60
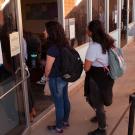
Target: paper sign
116	16
14	44
1	57
72	31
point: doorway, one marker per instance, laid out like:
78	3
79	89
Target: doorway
34	16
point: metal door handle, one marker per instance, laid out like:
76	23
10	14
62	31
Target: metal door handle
28	72
13	88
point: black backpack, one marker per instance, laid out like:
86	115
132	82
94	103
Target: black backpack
71	64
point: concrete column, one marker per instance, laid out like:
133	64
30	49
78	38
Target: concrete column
61	12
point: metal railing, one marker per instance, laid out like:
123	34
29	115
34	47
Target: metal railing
131	109
13	88
131	115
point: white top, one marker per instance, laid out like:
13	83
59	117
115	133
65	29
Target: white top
95	55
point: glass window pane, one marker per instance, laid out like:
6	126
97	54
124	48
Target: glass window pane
124	15
113	15
123	22
9	65
98	10
12	113
76	21
130	11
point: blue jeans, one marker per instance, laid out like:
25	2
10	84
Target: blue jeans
59	92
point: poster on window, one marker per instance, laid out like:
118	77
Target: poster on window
72	31
72	28
14	43
1	57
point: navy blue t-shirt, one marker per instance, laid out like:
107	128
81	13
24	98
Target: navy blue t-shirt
54	52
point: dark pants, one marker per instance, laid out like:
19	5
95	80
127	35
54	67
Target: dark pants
98	90
59	91
100	114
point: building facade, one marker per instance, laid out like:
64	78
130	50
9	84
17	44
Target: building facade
18	17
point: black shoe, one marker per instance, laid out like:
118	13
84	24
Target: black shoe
54	129
94	119
98	132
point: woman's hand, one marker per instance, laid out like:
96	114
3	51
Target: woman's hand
87	65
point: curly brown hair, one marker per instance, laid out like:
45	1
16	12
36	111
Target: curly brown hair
56	34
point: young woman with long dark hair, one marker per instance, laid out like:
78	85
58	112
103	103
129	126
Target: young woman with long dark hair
98	82
56	40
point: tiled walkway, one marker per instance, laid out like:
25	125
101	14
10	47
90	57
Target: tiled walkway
81	112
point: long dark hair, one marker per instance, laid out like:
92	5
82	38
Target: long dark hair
56	34
99	35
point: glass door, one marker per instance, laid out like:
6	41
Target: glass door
33	27
12	109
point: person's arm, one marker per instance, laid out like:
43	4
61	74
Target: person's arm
49	63
91	56
87	65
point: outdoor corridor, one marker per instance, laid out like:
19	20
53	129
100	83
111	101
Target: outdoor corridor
81	112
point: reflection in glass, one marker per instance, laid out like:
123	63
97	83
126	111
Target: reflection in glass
76	21
113	15
124	15
98	10
11	106
130	11
10	65
12	113
123	22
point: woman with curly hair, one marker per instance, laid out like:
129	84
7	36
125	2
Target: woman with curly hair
56	40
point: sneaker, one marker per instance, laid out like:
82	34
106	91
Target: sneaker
65	125
55	129
98	132
42	81
94	119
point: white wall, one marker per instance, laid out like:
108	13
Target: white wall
82	50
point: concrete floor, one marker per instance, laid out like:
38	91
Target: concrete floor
81	111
